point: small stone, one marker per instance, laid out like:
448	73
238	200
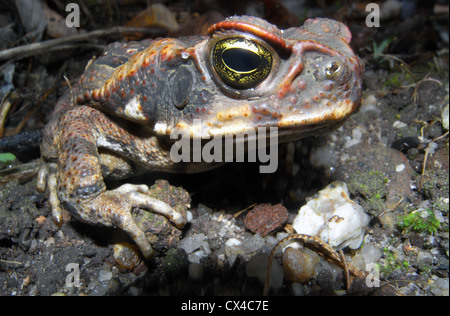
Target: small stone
299	264
104	275
367	255
232	249
195	257
257	267
400	167
126	255
444	117
399	125
265	219
252	243
233	242
440	287
203	210
192	243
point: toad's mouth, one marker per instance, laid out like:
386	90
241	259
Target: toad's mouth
241	120
247	133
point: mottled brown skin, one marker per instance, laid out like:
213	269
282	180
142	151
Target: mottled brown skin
118	119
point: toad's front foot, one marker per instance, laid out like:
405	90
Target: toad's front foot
114	208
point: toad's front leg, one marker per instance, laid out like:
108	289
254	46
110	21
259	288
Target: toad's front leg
76	180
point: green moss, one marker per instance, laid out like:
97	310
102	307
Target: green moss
414	221
394	81
392	263
371	186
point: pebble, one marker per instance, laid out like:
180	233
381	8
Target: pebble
252	243
440	287
356	138
333	217
257	266
233	242
264	219
271	241
104	275
399	125
323	156
400	167
126	255
444	117
192	243
367	255
203	210
369	102
195	257
299	264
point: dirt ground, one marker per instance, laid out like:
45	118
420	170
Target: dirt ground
393	154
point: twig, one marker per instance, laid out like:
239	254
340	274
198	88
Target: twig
391	210
11	262
440	137
5	106
347	275
56	44
415	94
424	164
236	215
402	64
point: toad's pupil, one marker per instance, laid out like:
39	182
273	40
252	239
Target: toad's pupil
241	60
334	67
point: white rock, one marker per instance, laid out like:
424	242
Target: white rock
192	243
205	247
233	242
281	235
272	241
334	218
400	167
232	249
399	125
252	243
195	257
356	134
104	275
367	255
444	117
323	156
257	266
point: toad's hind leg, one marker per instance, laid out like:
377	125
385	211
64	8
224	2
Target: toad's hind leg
80	186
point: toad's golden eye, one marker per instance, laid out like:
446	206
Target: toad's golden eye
334	70
241	62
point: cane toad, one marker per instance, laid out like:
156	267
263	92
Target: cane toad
117	119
